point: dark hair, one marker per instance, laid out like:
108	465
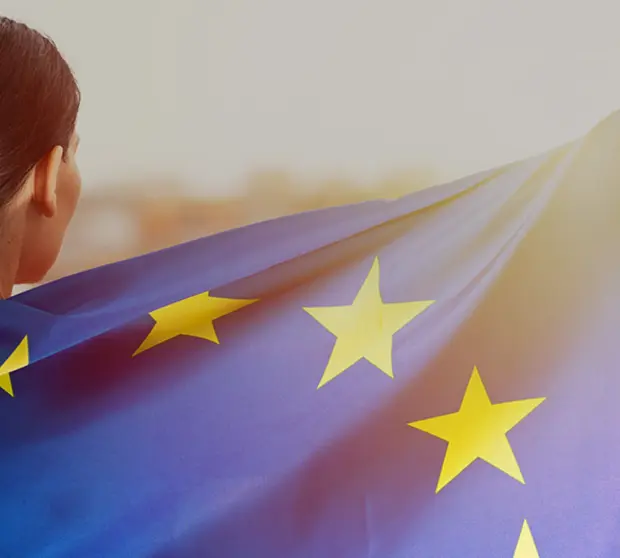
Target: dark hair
39	102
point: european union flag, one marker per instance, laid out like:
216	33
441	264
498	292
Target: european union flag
433	376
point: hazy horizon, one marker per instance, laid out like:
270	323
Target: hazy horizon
205	93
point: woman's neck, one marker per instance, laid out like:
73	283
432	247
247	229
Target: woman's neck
7	277
10	252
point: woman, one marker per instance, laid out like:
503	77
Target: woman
39	179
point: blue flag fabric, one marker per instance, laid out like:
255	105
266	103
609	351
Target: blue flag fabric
432	376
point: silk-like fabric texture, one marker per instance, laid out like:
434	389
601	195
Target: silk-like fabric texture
433	376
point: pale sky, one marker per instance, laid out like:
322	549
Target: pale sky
209	91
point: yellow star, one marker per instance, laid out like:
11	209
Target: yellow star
191	316
526	547
17	359
478	430
365	328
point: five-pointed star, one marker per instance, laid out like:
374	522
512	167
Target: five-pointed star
526	547
17	359
478	430
365	328
191	316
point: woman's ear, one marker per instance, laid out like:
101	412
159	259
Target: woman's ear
46	180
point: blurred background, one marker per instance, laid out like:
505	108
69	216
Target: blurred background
201	115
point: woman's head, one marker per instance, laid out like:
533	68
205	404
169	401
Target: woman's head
39	179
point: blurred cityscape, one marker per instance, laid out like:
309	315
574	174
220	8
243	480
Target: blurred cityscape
117	223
